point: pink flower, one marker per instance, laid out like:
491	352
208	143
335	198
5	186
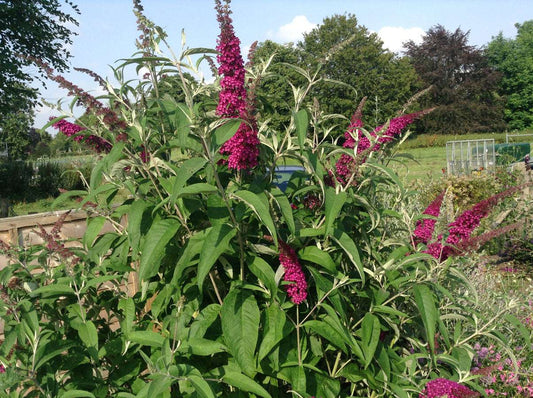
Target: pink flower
347	165
2	369
243	148
297	286
70	129
459	231
424	228
67	128
439	388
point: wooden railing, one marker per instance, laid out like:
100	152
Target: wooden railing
22	230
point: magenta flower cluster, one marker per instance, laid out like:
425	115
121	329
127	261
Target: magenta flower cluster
72	129
297	285
424	228
346	167
460	231
439	388
243	148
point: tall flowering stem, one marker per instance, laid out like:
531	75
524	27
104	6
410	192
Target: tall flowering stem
460	231
243	148
297	285
92	105
72	129
347	166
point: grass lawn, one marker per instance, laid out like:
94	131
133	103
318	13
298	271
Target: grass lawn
426	165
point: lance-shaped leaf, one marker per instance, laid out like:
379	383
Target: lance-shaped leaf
216	242
262	211
301	122
349	247
334	203
154	247
240	327
186	171
244	383
428	312
370	332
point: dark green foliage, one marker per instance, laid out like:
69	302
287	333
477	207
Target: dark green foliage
26	181
275	93
16	132
30	28
464	85
513	58
356	57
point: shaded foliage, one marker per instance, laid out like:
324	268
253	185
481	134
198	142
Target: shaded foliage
464	85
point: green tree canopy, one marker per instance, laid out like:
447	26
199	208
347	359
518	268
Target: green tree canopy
513	58
353	55
40	29
16	133
464	85
275	93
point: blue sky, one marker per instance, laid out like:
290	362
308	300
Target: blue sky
107	28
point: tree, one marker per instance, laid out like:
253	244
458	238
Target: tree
31	29
15	131
353	55
274	92
513	58
464	85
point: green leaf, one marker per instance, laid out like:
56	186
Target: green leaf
334	203
370	332
519	325
217	211
240	327
76	394
201	386
260	209
301	122
198	188
89	336
216	242
50	350
285	208
127	306
276	329
134	227
186	171
154	247
264	272
315	255
348	245
426	306
224	133
205	347
94	226
53	290
244	383
327	332
159	386
146	338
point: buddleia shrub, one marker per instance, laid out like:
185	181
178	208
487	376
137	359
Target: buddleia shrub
207	279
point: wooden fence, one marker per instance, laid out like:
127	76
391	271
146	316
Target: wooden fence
22	230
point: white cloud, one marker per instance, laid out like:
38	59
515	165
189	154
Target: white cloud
294	31
394	36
